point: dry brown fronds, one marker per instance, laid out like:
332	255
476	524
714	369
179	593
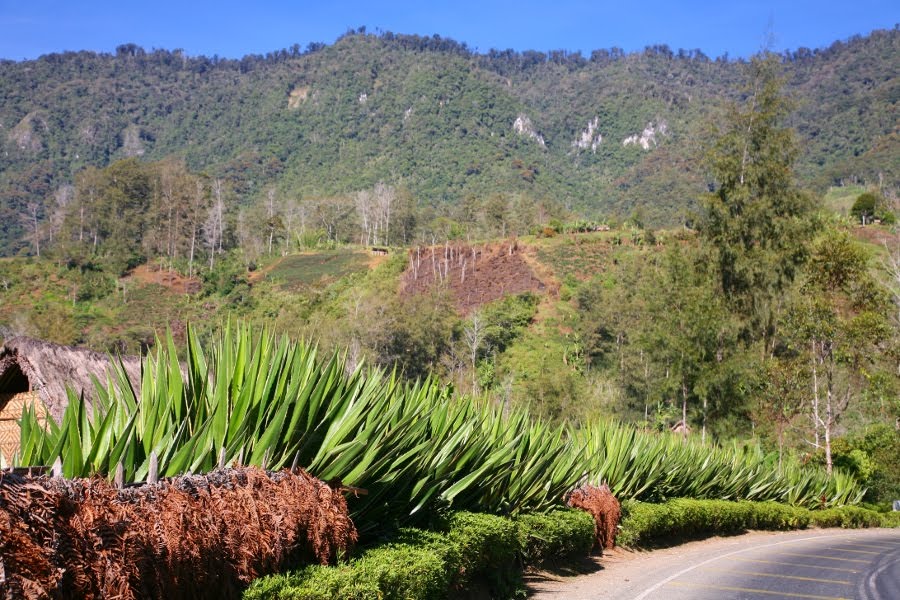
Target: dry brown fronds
202	536
605	508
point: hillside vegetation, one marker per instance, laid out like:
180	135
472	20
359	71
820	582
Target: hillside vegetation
463	134
770	314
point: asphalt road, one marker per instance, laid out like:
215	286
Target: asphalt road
820	565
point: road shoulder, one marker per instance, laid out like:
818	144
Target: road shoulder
624	574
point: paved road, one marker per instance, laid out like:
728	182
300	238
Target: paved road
819	565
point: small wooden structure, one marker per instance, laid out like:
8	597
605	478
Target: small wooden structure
35	374
13	405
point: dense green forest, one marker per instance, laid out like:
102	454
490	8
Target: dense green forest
461	133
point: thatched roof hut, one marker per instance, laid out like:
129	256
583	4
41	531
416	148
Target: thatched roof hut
36	373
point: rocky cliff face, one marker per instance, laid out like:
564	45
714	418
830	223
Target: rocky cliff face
523	126
590	137
648	138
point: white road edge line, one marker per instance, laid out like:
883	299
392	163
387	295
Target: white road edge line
869	586
652	589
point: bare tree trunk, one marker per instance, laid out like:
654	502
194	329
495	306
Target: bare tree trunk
703	432
474	335
270	206
191	259
684	422
815	405
829	421
745	154
33	209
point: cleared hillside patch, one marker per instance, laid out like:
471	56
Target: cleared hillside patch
474	275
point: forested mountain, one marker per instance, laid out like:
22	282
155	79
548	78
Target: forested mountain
601	135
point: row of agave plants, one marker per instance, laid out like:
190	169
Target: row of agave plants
254	398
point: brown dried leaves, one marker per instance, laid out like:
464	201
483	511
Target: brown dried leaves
605	509
189	537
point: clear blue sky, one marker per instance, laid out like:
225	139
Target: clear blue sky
29	28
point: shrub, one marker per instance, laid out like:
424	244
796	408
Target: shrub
865	206
683	518
557	536
407	570
848	517
488	546
315	583
775	516
474	550
891	519
415	565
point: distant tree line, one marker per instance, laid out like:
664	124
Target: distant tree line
132	212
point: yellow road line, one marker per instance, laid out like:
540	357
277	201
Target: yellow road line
753	591
819	556
877	547
792	564
856	551
779	576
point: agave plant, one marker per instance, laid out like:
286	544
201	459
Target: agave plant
650	466
258	399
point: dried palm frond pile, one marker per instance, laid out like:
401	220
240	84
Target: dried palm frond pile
189	537
605	508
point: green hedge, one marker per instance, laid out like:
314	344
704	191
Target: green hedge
854	517
488	552
683	518
488	547
476	550
417	564
560	535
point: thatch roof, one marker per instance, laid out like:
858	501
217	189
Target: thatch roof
29	364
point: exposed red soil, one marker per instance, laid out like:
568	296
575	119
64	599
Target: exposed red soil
604	507
189	537
172	280
474	275
875	234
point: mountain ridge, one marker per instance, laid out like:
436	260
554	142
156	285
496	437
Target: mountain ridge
433	115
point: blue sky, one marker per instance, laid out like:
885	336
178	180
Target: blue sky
29	28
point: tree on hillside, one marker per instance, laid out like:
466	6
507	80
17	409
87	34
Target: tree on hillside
374	208
197	212
473	336
111	215
840	324
864	207
754	221
686	334
31	219
272	217
214	225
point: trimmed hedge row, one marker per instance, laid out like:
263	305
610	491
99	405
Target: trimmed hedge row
560	535
489	552
677	520
474	550
854	517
